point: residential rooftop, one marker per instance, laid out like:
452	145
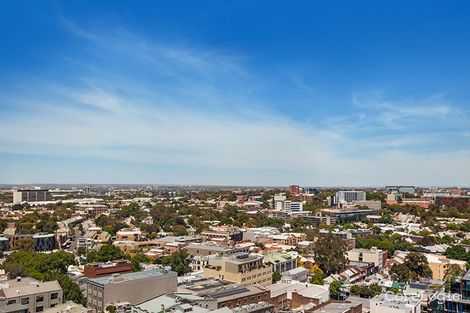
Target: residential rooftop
338	307
395	301
177	302
203	285
68	307
14	288
276	257
230	292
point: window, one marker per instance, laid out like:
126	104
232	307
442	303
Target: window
54	295
25	301
39	309
39	298
11	302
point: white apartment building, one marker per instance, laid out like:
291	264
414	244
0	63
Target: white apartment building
27	295
350	196
372	255
279	202
282	204
293	206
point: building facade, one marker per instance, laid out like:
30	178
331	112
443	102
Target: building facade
27	295
281	262
133	288
236	296
372	255
350	196
93	270
240	268
455	301
293	206
31	195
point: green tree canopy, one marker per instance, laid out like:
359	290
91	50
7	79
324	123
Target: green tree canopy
277	276
104	254
179	262
45	267
335	289
415	266
458	252
329	254
71	290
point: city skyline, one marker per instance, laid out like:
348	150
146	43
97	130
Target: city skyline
319	94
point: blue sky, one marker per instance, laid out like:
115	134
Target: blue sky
320	93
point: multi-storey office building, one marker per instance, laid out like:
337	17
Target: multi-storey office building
240	268
349	196
293	206
31	195
133	288
42	242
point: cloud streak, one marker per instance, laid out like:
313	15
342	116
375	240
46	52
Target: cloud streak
137	101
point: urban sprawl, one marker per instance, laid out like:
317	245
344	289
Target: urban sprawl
149	249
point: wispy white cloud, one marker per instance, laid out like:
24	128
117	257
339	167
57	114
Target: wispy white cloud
167	105
396	114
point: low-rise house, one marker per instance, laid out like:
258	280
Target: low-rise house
129	234
94	236
290	296
299	274
172	247
355	273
